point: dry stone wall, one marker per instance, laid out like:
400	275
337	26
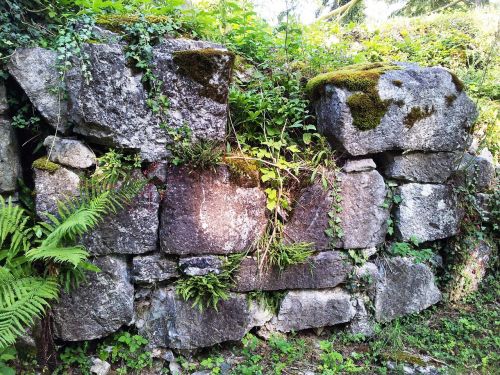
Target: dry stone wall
185	222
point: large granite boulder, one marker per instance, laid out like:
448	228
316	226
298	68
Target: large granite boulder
376	107
204	212
427	212
363	219
196	76
53	186
132	230
70	152
98	307
36	72
168	321
10	163
149	269
303	309
111	108
433	167
324	270
403	287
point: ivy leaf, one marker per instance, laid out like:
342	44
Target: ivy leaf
306	137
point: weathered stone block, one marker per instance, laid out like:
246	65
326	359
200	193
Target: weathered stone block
403	287
4	106
69	152
168	321
302	309
53	187
153	268
428	111
202	265
363	217
477	170
359	165
98	307
10	164
435	167
196	76
36	72
426	212
324	270
205	213
133	230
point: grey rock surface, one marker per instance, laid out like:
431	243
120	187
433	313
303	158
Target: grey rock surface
111	109
451	113
100	367
202	265
54	187
10	163
427	212
303	309
362	323
36	72
133	230
4	106
153	268
403	287
197	76
206	213
434	167
98	307
477	170
168	321
70	152
363	219
359	165
323	270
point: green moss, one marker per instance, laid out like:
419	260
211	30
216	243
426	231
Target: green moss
201	65
397	82
367	108
450	99
244	171
417	114
45	164
459	85
404	357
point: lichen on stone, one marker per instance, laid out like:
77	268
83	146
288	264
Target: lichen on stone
367	108
417	114
201	65
44	164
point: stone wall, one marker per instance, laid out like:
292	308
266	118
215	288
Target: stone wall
202	216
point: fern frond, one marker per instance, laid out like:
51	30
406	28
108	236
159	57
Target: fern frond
73	255
22	299
14	233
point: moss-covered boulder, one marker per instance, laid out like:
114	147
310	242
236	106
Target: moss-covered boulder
370	108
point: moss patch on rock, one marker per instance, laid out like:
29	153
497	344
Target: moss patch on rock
367	108
459	85
450	99
397	83
244	171
201	65
44	164
417	114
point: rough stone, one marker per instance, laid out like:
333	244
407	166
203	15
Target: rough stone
198	75
169	321
98	307
202	265
53	187
363	217
323	270
10	164
361	323
435	167
403	287
206	213
426	212
111	109
471	270
153	268
478	170
359	165
133	230
69	152
4	106
35	71
444	129
100	367
302	309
